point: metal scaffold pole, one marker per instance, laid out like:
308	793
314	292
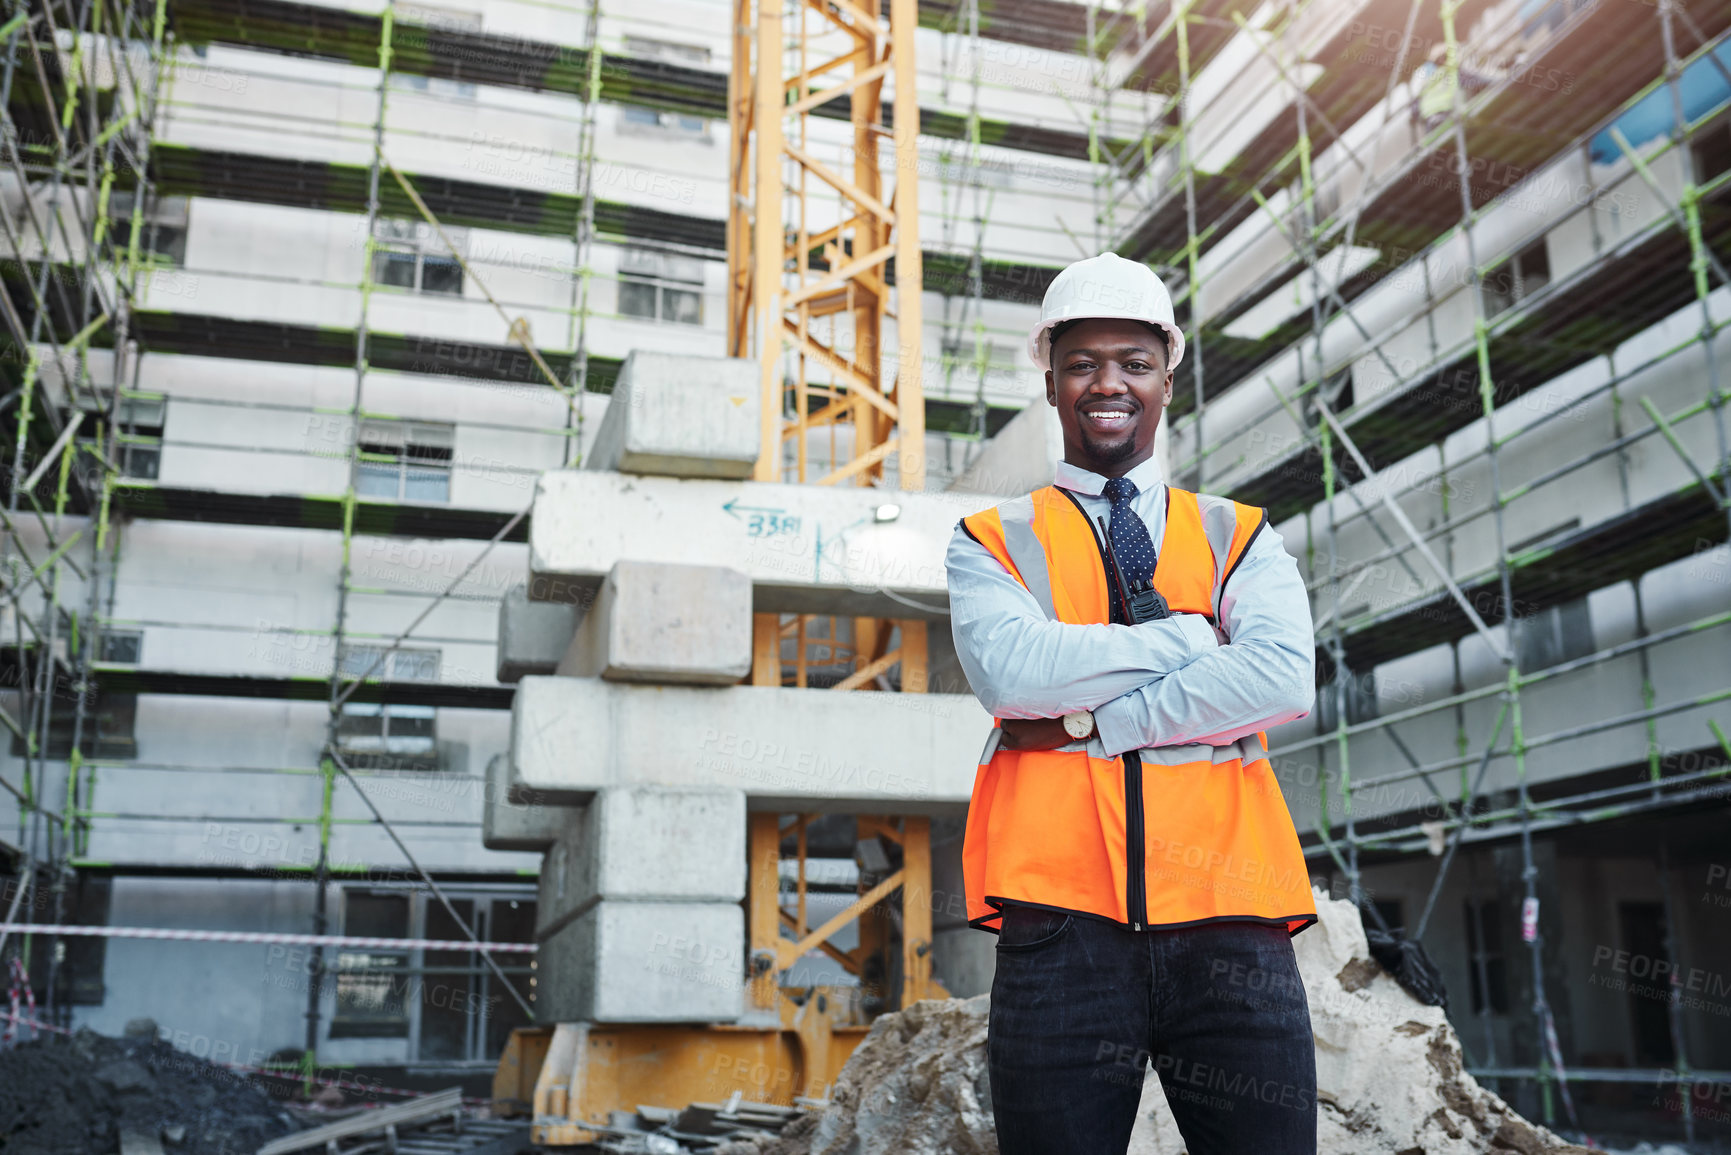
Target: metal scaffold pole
578	336
1530	914
357	409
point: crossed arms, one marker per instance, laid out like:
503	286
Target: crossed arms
1156	684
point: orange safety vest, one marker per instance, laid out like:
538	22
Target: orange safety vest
1206	834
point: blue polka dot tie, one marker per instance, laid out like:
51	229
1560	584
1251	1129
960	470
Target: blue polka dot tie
1130	540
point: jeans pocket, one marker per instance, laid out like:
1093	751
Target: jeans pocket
1027	928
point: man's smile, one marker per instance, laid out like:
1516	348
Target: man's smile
1107	416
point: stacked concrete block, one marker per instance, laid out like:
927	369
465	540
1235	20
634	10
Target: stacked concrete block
815	549
792	750
671	624
639	915
533	635
680	415
630	728
521	822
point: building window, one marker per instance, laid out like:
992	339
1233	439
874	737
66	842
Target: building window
161	234
412	23
638	121
389	736
109	729
398	665
1487	965
1554	635
466	1013
404	460
661	286
139	422
371	984
374	736
122	647
667	51
433	86
410	255
1516	279
136	438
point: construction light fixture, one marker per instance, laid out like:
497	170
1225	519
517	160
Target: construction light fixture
888	511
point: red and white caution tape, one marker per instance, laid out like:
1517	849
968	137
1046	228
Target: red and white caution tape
19	996
264	937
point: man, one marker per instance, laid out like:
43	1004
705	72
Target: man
1126	837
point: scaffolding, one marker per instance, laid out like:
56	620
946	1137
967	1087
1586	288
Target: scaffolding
78	91
1338	465
81	281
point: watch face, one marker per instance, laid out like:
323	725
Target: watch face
1078	725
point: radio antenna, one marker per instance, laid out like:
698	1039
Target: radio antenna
1112	556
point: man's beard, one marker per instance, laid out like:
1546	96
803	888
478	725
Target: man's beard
1112	452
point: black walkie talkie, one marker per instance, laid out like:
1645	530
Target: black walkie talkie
1141	602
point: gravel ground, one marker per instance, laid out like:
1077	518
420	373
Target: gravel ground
77	1095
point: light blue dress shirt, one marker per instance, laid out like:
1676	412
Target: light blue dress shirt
1164	683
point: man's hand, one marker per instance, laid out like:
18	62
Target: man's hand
1034	734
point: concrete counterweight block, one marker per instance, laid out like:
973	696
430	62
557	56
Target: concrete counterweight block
861	752
667	623
680	415
639	916
528	823
645	962
646	844
533	636
808	549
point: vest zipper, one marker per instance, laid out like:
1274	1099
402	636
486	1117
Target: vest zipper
1135	835
1135	840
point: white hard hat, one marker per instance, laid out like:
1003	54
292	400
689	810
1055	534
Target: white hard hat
1106	286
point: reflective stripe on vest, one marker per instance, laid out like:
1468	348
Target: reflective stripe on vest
1017	518
1053	827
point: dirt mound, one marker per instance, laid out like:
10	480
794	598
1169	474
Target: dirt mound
1389	1070
1389	1075
79	1095
916	1085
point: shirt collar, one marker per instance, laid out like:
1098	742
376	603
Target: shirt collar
1078	480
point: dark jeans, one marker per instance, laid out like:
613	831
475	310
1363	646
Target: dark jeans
1081	1006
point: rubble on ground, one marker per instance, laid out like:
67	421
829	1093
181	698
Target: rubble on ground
79	1095
1389	1070
1389	1075
916	1085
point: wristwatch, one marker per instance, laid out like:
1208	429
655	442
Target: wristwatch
1079	724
